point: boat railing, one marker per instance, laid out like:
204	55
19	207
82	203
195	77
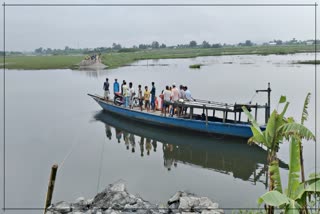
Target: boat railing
225	108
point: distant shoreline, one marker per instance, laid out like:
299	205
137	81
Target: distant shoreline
118	59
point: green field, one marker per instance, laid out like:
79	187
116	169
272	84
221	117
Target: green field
41	62
117	59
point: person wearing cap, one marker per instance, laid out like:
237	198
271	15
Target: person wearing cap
106	89
115	86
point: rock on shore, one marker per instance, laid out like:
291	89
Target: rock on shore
116	199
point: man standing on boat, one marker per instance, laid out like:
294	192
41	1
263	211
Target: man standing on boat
188	94
146	96
106	89
140	97
182	93
166	100
115	86
175	98
132	93
153	97
126	95
123	82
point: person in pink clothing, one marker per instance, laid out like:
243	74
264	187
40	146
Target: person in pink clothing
174	93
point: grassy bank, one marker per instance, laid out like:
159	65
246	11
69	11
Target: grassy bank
41	62
117	59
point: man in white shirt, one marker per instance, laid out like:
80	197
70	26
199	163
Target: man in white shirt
175	98
126	94
166	100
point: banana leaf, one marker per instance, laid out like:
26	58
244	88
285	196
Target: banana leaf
305	114
272	135
258	136
294	167
274	198
294	128
309	186
283	99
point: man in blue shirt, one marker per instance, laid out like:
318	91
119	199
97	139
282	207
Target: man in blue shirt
188	94
115	86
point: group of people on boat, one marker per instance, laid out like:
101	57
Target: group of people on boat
168	96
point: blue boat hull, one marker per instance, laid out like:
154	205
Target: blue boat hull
229	129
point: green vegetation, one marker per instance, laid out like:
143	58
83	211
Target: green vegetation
296	198
312	62
195	66
126	56
41	62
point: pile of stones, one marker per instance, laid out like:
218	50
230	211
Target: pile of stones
116	199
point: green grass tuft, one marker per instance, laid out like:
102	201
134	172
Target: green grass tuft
195	66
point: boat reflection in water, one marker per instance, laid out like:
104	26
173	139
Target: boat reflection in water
224	155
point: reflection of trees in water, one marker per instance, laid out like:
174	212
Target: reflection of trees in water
240	165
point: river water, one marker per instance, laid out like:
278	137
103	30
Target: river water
50	119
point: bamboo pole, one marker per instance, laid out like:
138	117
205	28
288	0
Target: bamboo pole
52	180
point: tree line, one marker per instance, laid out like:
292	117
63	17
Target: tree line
117	47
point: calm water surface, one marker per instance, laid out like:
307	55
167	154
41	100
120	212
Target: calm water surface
50	119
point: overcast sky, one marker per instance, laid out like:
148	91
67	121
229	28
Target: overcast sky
28	28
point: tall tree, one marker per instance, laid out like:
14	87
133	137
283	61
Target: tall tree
205	44
163	45
193	44
155	44
38	50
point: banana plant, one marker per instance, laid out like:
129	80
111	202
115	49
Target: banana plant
293	200
293	203
270	138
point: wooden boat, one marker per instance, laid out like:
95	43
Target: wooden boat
207	122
